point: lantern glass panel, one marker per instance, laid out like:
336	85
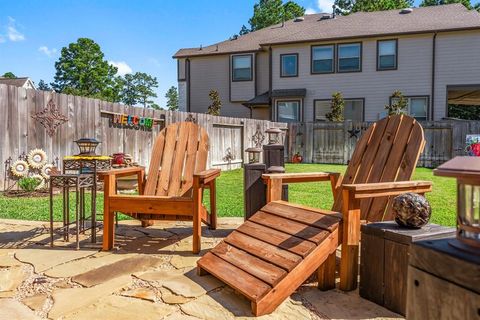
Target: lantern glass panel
469	211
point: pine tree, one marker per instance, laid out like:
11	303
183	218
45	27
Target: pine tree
338	104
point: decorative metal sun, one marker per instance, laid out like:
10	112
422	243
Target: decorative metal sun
50	118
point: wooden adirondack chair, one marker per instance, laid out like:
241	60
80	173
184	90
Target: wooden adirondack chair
281	245
174	187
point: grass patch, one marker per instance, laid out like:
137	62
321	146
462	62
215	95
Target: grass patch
230	196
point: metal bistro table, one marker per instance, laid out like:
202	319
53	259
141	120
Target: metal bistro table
88	165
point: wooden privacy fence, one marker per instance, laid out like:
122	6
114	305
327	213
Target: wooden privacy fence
328	142
19	132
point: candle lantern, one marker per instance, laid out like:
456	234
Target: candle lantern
274	135
467	172
253	154
87	146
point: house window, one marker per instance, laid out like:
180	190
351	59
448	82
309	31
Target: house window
387	55
417	107
242	68
322	59
349	57
288	111
353	109
289	65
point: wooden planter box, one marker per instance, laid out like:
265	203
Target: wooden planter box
384	261
443	282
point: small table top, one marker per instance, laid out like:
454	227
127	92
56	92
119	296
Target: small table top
392	231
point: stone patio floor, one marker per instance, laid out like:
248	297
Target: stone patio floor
151	275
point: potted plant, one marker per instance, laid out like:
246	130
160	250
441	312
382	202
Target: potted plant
297	158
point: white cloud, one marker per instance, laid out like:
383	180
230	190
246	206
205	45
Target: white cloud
325	5
12	32
2	39
310	11
122	66
48	52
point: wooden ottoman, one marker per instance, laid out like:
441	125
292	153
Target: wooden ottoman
384	260
443	282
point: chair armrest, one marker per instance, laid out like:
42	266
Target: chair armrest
122	172
300	177
207	175
382	189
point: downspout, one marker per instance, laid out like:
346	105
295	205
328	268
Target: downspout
270	80
187	63
434	45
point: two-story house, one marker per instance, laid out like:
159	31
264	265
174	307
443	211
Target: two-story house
288	72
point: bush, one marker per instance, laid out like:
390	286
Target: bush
338	104
29	184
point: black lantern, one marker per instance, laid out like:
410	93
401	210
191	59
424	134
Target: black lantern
274	135
87	146
253	154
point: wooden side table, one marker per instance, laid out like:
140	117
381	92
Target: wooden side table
443	282
384	260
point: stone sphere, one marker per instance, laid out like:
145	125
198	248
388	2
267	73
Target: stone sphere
411	210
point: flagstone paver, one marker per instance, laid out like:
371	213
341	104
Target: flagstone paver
35	302
13	310
10	279
116	269
123	308
140	293
43	259
77	267
66	301
187	284
151	275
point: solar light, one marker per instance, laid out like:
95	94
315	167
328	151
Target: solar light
87	146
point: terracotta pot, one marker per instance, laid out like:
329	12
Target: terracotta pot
297	158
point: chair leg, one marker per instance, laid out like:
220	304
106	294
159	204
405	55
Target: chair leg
326	273
213	205
197	219
350	243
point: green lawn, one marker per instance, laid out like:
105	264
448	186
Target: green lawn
230	196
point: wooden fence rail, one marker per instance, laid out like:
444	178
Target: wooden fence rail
19	132
327	142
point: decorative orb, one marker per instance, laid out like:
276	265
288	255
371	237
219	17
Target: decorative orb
411	210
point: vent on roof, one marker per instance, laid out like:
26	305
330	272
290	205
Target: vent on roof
299	19
406	11
325	17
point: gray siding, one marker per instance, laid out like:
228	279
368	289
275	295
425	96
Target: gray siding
262	72
212	72
457	63
413	76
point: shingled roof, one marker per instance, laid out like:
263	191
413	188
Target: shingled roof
357	25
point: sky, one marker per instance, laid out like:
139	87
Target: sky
138	35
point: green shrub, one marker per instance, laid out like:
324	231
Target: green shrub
338	104
29	183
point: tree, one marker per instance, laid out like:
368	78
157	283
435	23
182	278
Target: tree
138	88
82	70
347	6
427	3
216	105
464	112
338	104
9	75
270	12
172	98
398	104
42	85
155	106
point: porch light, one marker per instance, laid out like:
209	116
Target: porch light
87	146
467	172
253	154
274	135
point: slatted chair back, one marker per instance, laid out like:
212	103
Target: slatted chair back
388	151
180	150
